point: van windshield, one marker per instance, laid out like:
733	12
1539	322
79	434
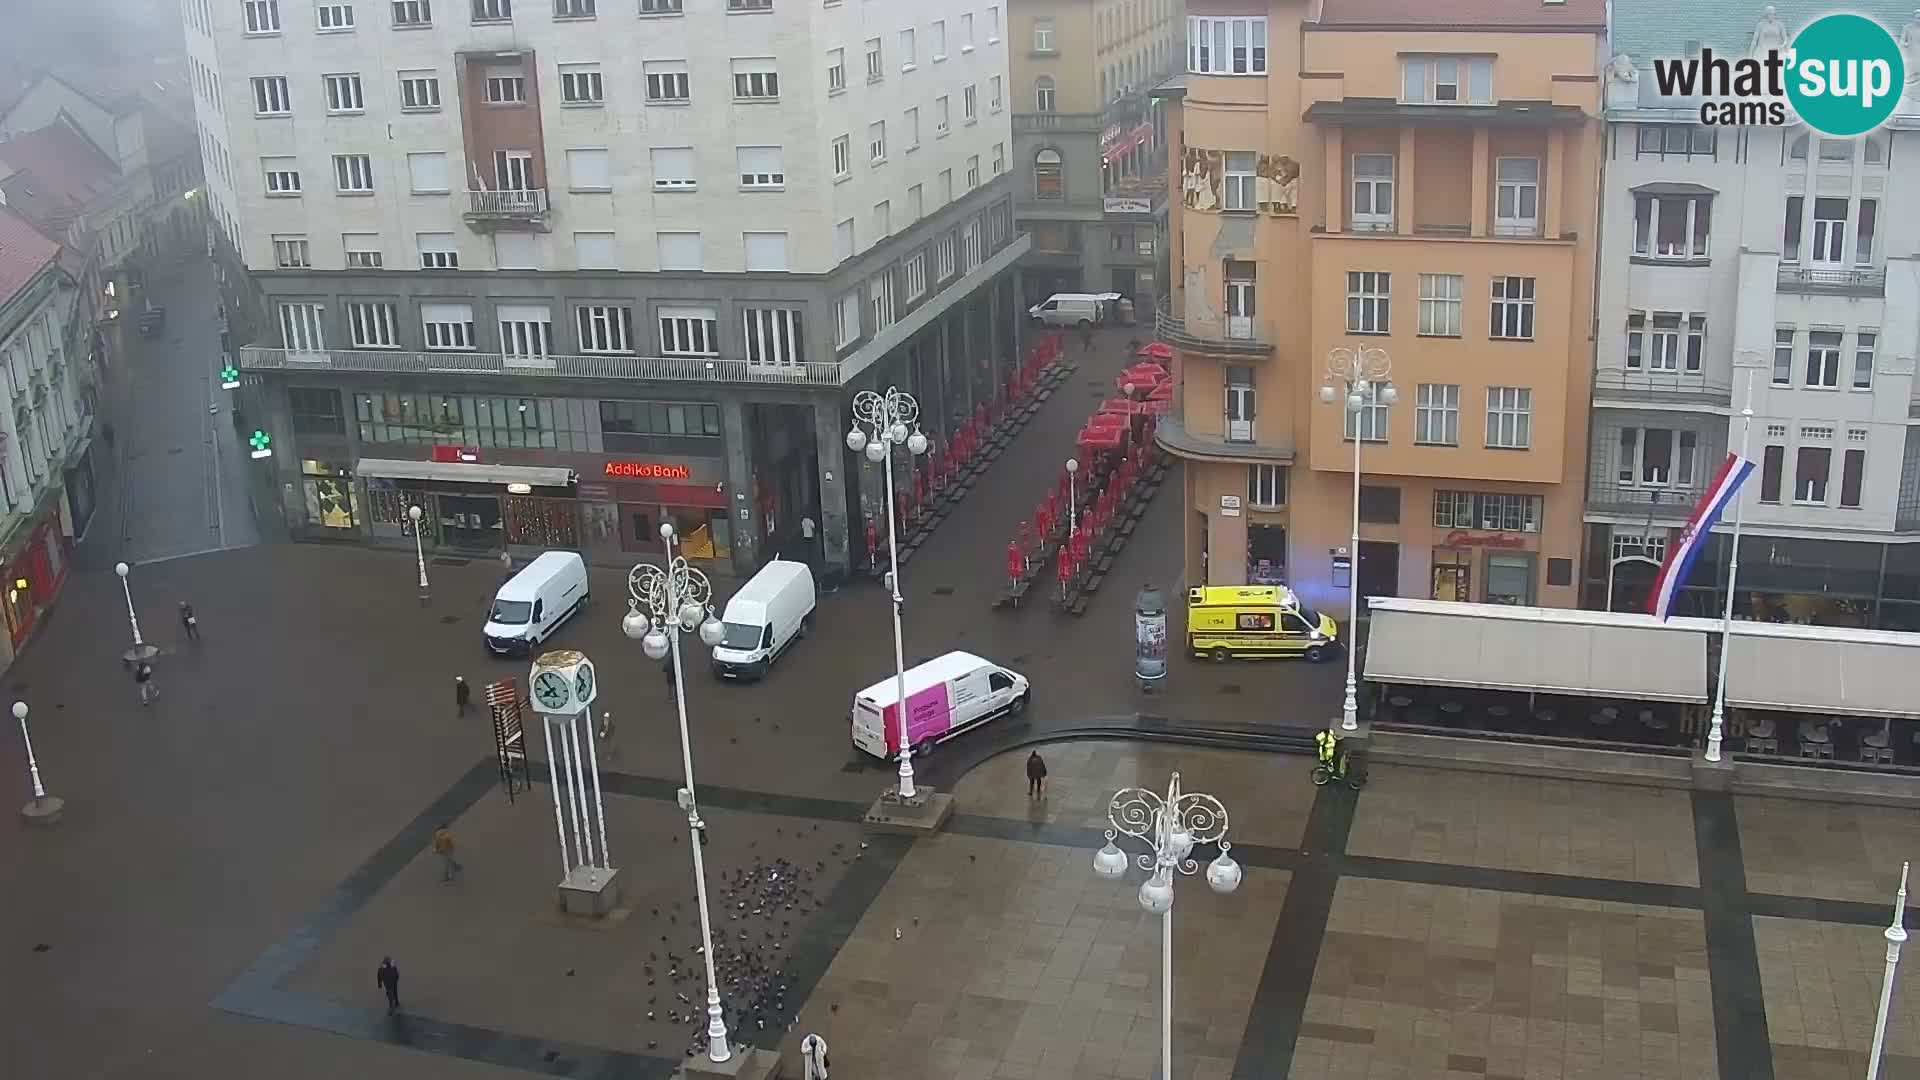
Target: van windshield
511	612
1311	616
740	636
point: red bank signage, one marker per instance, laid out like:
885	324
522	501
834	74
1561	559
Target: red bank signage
647	470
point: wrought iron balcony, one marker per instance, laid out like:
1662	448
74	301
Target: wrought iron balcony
1635	386
1671	503
1221	335
646	368
515	209
1835	281
1026	123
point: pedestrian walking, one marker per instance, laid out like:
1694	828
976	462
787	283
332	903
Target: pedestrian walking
1036	776
443	846
388	978
1086	337
462	695
813	1054
506	560
143	675
188	622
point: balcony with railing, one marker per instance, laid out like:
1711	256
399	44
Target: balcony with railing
1832	280
490	211
1636	386
1124	111
1220	335
639	368
1647	503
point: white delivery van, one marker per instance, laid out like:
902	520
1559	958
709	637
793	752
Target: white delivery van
770	612
1071	309
534	602
945	696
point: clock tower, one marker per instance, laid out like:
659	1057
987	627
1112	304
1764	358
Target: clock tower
563	688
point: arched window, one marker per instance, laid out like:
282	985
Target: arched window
1043	94
1049	175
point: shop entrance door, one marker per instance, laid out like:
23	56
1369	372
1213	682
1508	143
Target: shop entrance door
471	522
1379	570
1266	555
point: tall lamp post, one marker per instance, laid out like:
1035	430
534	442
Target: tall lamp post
1173	824
1073	497
42	809
141	652
1896	935
419	553
664	604
1358	378
892	417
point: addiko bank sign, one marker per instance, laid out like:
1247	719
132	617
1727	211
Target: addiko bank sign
646	470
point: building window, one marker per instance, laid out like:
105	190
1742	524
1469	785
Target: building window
363	251
263	16
842	157
880	294
666	82
1267	486
1657	457
1049	176
580	83
680	250
673	168
427	173
526	331
1240	403
1512	308
344	93
1863	360
353	174
1665	355
1233	45
1440	304
1446	80
843	240
419	91
1863	232
291	253
437	251
1373	192
1853	469
1783	357
999	158
300	327
690	419
1237	193
970	249
749	5
1772	461
1369	421
1681	141
914	275
761	168
1516	206
574	9
492	10
943	256
412	12
996	99
689	332
331	18
1379	504
942	116
1509	417
876	61
1671	226
447	326
1043	94
1436	414
605	328
596	251
316	411
1810	468
970	103
270	96
282	175
1823	359
846	321
836	71
1487	511
877	142
1368	301
506	89
973	171
373	325
1829	232
588	169
1042	37
909	54
755	80
773	336
513	171
766	252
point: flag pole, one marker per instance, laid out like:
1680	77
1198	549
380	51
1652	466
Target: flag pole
1718	723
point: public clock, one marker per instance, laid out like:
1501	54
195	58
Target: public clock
583	683
552	690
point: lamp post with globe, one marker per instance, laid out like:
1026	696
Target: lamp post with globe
1174	824
140	652
1358	379
892	417
663	604
1073	497
419	553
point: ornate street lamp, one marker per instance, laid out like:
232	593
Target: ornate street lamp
1358	378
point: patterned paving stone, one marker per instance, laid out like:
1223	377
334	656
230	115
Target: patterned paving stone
1822	987
1796	847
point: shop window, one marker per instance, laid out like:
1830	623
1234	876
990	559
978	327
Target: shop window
1453	575
1266	554
331	501
1510	578
316	411
533	521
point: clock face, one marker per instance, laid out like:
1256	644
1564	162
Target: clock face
583	683
551	690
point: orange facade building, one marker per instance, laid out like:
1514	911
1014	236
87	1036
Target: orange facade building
1418	184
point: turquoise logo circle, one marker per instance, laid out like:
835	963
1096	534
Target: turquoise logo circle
1845	74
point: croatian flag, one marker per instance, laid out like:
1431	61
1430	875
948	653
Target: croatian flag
1682	553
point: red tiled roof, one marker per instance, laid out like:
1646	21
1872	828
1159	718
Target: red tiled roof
23	253
50	175
1467	14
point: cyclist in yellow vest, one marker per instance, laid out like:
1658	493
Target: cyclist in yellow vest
1327	746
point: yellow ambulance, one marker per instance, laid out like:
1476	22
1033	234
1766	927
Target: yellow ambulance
1225	621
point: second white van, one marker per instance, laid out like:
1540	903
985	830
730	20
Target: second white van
945	696
534	602
1072	309
770	612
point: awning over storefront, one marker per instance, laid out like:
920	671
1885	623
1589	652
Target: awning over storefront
461	472
1823	670
1537	650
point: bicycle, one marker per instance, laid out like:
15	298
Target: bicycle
1341	770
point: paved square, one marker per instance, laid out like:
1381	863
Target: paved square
1022	965
1796	847
1534	824
1417	982
1822	987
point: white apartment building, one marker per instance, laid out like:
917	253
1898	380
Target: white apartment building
1769	265
736	208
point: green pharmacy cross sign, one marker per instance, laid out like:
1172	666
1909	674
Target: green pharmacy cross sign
261	443
229	378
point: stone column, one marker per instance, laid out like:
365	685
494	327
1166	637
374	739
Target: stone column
743	513
829	434
1480	200
1403	186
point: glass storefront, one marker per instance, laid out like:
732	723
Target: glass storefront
704	532
1266	554
332	502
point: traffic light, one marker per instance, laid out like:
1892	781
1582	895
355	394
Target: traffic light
261	443
229	378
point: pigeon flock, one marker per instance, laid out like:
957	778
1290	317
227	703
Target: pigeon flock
755	911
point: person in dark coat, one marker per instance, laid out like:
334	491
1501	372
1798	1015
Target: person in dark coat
143	674
388	979
1036	776
189	622
462	695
